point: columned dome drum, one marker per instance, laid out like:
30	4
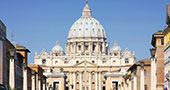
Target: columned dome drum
86	36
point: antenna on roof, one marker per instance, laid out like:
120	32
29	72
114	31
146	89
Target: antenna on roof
12	39
12	36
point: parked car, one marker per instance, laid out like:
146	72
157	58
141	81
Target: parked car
2	87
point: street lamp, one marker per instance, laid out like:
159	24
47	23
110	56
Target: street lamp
142	64
152	52
33	72
25	65
39	77
12	52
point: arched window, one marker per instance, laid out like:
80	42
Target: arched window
92	76
43	61
77	76
79	47
86	47
101	48
94	47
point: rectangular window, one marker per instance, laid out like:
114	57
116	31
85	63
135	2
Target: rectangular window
65	62
86	47
126	60
94	47
162	41
104	62
79	47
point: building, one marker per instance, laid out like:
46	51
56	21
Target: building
167	50
10	66
87	63
13	63
3	61
157	62
38	78
27	72
147	74
138	76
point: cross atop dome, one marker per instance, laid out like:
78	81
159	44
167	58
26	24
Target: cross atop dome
86	10
57	43
86	1
115	43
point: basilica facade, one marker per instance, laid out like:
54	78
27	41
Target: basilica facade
87	62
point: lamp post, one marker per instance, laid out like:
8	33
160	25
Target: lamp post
25	87
153	68
142	75
152	52
33	79
142	64
44	84
39	82
12	69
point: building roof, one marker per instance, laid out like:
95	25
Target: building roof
158	34
57	48
115	47
146	62
86	26
21	48
35	65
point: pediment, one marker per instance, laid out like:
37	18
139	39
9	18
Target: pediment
85	63
44	54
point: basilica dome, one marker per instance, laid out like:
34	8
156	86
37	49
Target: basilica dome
57	48
87	26
115	47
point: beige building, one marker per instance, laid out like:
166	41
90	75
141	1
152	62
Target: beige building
138	76
157	62
87	63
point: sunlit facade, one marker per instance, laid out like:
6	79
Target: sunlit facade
87	62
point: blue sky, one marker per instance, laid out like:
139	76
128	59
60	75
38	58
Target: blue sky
38	24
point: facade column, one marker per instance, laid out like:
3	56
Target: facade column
125	86
96	81
12	74
135	83
82	48
130	83
100	86
97	48
89	80
103	47
70	81
153	74
91	48
142	79
74	80
33	82
75	48
80	80
25	79
39	84
44	86
69	47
